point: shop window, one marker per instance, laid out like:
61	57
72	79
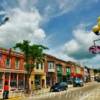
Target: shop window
8	63
17	63
13	83
21	84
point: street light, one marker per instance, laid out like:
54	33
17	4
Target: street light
4	20
96	28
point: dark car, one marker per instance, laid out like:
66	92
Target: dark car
59	87
97	79
70	81
78	82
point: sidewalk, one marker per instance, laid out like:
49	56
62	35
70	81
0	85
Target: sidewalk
16	95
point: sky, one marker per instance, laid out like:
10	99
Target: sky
64	26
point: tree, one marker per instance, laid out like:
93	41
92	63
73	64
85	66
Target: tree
33	53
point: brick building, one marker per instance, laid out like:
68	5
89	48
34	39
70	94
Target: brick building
12	69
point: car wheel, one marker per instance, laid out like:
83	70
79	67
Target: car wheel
74	85
59	90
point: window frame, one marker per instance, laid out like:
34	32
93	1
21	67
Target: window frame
18	65
50	65
8	66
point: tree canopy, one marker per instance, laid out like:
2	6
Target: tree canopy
33	52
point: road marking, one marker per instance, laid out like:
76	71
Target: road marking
92	95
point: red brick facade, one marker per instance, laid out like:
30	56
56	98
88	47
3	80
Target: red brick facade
12	69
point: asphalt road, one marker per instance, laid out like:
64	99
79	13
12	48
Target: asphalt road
88	92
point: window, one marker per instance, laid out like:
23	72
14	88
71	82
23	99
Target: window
42	65
17	63
21	84
39	65
50	65
13	83
59	68
8	62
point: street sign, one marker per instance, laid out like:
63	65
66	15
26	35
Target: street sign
94	49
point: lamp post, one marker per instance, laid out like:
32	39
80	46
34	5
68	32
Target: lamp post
96	28
4	20
95	49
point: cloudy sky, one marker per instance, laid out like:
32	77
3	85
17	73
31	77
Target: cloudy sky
64	26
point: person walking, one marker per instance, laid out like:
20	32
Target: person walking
6	90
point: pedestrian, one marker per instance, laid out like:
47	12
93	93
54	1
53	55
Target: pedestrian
6	90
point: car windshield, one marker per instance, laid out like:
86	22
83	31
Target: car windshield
77	79
62	83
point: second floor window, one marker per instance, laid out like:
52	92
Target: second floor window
59	68
17	63
8	62
39	66
50	65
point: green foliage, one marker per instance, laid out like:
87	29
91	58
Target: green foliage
32	52
24	47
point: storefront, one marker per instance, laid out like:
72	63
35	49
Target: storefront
13	81
16	81
40	81
50	79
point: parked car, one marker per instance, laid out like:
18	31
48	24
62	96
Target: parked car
97	79
78	82
70	81
59	87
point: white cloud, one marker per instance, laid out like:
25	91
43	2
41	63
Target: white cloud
92	63
27	4
39	34
57	52
21	25
59	7
79	45
71	46
67	5
77	48
2	12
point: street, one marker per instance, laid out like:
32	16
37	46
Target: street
89	92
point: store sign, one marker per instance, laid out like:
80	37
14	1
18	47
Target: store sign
94	49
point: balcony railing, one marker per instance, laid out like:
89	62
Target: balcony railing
51	70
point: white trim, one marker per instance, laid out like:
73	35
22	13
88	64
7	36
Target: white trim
12	70
17	67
